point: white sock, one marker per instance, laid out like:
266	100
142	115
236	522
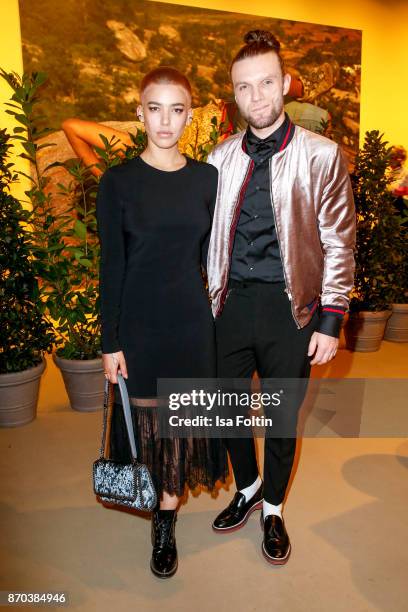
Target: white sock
252	489
268	508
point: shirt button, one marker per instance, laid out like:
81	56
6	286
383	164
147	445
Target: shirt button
251	268
256	216
251	243
257	187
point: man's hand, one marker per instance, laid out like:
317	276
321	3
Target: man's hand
323	347
112	364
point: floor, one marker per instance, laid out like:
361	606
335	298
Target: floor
346	514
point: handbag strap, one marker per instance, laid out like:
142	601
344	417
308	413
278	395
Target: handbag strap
126	411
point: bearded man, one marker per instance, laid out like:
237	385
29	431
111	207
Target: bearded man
280	267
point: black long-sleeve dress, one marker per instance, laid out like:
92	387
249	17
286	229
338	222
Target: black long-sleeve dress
154	229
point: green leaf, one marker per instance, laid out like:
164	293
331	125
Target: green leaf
86	263
19	117
80	229
55	164
26	176
45	145
30	148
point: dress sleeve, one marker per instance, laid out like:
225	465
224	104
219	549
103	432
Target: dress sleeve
212	198
112	263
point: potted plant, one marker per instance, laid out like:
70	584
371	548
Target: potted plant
377	261
24	332
397	325
66	249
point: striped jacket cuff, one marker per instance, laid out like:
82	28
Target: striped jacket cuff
331	318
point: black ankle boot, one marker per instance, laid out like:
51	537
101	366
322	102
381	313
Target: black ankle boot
164	557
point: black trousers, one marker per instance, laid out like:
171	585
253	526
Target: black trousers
256	332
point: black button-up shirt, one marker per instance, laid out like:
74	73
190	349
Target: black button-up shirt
255	254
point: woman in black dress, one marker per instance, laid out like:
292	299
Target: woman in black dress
154	217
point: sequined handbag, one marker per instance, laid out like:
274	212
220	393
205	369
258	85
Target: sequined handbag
125	484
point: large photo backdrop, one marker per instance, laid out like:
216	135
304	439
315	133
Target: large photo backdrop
95	54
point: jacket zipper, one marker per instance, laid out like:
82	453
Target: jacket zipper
279	245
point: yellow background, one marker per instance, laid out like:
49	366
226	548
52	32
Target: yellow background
384	87
11	59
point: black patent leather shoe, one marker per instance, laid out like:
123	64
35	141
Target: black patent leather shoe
164	560
276	544
237	512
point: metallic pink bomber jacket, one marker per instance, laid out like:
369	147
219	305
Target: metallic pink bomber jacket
314	213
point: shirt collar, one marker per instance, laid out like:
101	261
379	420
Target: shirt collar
269	144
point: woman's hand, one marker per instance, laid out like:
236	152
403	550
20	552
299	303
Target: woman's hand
112	364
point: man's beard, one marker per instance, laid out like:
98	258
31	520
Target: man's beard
263	122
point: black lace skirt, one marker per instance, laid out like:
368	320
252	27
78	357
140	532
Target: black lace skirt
173	462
